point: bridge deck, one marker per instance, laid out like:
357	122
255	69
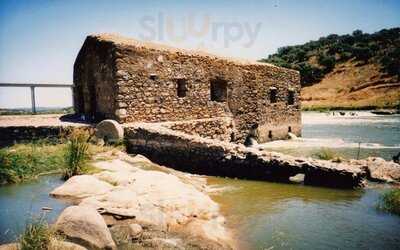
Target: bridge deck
52	120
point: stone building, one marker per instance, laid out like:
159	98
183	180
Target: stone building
198	93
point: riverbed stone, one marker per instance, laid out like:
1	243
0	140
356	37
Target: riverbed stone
10	246
64	245
54	244
85	225
176	201
81	186
153	206
381	170
135	229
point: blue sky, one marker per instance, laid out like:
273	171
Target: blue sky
39	40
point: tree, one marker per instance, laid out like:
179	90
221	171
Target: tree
362	53
328	62
357	33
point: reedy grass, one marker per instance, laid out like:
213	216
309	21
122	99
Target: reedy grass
327	154
390	201
26	161
77	153
69	155
37	235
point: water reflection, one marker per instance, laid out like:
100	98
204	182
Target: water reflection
288	216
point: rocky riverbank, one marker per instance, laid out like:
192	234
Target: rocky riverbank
134	203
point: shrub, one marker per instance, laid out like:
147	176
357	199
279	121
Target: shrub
37	235
328	62
76	153
390	201
326	154
362	53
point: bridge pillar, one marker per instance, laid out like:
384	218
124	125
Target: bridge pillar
33	99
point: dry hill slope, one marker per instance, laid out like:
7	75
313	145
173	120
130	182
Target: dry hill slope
353	71
353	86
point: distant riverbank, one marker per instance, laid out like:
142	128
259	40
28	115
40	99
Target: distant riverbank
354	134
323	108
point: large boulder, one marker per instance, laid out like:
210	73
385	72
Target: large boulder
85	226
81	186
126	203
153	197
64	245
10	246
381	170
54	245
109	131
115	165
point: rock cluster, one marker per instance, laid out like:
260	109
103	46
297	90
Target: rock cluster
140	206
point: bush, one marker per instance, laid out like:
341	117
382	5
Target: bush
37	235
328	62
326	154
362	53
76	153
390	201
309	74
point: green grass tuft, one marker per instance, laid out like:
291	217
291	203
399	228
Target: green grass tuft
76	153
326	154
37	235
390	201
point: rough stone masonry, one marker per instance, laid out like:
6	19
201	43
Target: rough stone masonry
198	93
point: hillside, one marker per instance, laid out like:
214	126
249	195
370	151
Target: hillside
355	71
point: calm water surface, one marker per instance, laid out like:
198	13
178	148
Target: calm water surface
364	134
19	203
289	216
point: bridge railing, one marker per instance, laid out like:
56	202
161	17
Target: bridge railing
32	86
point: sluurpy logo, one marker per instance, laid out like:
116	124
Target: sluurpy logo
202	28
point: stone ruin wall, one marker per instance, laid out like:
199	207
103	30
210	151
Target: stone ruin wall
214	128
140	85
198	155
94	79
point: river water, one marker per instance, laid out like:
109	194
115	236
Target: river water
20	203
266	215
362	135
287	216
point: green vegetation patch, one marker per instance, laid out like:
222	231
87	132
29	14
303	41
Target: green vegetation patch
315	59
70	155
37	235
327	154
26	161
390	201
76	153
